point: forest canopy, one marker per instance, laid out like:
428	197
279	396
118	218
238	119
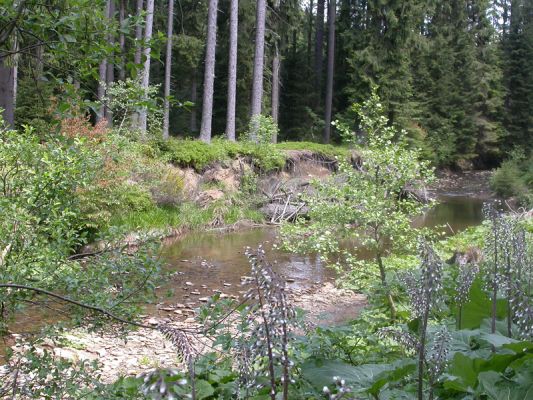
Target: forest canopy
457	75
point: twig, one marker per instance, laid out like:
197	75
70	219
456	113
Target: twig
79	304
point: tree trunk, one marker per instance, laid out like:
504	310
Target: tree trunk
257	84
193	123
319	47
168	69
209	73
276	64
7	91
310	34
122	40
103	75
138	34
143	115
331	64
232	69
110	74
102	78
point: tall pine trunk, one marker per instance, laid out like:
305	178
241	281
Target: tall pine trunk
122	40
331	64
257	84
319	48
8	75
232	69
143	115
193	123
103	75
138	33
310	34
209	73
168	69
276	66
110	73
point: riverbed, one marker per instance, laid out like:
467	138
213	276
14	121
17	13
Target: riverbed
203	264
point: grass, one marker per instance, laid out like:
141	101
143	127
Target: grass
187	215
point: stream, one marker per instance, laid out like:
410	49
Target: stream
202	264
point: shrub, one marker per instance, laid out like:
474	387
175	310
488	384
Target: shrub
515	178
261	129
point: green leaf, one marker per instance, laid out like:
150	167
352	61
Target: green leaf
402	369
479	307
203	389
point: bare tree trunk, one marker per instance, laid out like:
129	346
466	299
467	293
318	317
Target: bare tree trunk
168	69
103	75
39	66
319	47
110	74
122	40
310	33
209	73
15	73
331	64
138	34
7	89
257	84
193	123
276	65
147	54
232	69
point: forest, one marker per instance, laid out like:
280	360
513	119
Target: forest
270	199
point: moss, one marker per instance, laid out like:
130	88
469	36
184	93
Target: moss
326	150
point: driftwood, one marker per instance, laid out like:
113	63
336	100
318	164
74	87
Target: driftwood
283	204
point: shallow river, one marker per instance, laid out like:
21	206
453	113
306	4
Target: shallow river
216	261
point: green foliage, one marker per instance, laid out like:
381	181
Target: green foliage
199	155
125	99
261	130
366	205
514	178
42	204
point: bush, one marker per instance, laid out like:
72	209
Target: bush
261	130
514	178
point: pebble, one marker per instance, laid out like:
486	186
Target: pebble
204	299
227	284
189	283
195	292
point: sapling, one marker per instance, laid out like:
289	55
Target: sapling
372	204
